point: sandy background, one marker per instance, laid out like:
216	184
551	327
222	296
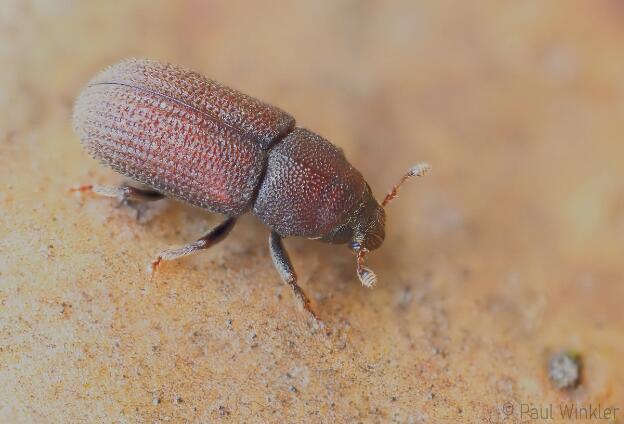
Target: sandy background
509	251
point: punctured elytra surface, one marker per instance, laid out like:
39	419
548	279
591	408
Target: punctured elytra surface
179	132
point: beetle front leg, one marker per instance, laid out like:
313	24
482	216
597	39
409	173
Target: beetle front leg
284	267
214	236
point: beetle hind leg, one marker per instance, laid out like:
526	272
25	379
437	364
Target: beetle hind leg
213	236
284	267
127	194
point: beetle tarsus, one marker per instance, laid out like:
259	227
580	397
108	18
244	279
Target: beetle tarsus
284	267
214	236
81	188
153	266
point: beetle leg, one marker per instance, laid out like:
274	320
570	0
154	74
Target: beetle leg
213	236
128	195
284	267
125	192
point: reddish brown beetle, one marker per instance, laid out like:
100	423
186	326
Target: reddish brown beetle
193	139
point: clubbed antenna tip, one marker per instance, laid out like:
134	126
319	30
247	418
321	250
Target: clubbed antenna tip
366	275
418	170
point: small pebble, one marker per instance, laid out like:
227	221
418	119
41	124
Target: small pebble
564	370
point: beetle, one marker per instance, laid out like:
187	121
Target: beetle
184	136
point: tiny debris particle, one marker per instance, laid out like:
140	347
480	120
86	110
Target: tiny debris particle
155	400
223	412
404	298
431	394
253	340
293	389
564	370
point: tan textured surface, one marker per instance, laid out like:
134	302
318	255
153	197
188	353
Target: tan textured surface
510	250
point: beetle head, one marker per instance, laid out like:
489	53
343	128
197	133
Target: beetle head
369	224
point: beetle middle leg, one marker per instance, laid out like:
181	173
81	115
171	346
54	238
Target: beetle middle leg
287	272
213	237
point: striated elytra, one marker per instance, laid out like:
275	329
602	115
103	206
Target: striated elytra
184	136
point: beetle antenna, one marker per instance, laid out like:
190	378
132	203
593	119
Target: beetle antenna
418	170
366	275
